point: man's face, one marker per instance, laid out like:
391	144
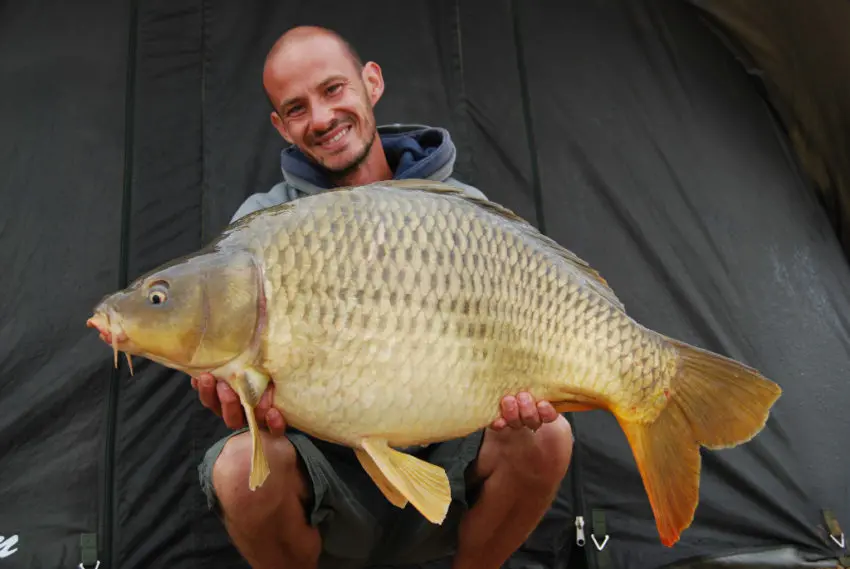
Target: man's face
325	104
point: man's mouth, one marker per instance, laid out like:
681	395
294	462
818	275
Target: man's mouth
331	141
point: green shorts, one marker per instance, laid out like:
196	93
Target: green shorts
358	526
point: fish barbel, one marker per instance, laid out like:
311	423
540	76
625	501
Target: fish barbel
400	313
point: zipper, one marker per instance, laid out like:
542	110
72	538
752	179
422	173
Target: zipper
579	506
580	540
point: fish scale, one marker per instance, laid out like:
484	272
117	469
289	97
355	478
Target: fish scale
466	268
399	313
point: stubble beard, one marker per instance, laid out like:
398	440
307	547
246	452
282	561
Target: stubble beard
352	166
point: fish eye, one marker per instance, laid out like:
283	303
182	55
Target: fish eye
158	293
157	296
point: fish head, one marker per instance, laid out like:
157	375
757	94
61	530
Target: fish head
193	314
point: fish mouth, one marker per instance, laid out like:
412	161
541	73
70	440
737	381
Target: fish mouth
111	332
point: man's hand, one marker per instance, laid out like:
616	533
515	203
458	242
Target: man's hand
219	398
522	412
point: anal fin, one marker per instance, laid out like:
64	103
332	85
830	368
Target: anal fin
572	407
425	485
565	401
392	494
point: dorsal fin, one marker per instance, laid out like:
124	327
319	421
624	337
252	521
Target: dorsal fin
599	284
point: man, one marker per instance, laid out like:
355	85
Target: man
319	508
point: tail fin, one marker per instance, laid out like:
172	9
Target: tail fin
714	402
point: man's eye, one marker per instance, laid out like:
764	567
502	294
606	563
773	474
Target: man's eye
334	88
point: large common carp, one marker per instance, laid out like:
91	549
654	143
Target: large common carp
399	313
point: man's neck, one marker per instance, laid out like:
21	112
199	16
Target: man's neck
374	169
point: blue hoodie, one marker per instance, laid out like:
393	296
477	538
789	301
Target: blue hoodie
413	151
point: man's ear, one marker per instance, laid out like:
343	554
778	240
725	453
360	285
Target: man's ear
281	128
374	81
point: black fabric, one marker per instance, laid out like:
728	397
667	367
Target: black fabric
627	129
800	53
162	431
62	75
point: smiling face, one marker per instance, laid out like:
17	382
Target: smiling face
324	101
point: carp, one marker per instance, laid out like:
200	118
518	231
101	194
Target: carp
399	313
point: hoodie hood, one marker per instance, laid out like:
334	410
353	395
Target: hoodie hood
413	151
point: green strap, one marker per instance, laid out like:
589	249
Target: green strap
601	540
88	550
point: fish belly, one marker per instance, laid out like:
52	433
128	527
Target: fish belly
389	392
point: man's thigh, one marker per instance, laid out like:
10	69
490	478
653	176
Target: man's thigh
358	526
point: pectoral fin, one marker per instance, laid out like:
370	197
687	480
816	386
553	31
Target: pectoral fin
425	485
250	387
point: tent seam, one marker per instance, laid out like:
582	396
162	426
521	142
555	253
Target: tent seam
108	510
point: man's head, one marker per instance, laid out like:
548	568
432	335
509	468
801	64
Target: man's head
323	97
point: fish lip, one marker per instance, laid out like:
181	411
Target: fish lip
108	325
105	326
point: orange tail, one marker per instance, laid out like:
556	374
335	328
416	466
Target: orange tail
714	402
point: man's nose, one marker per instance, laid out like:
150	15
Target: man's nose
322	117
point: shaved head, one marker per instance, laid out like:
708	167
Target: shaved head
310	32
298	36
